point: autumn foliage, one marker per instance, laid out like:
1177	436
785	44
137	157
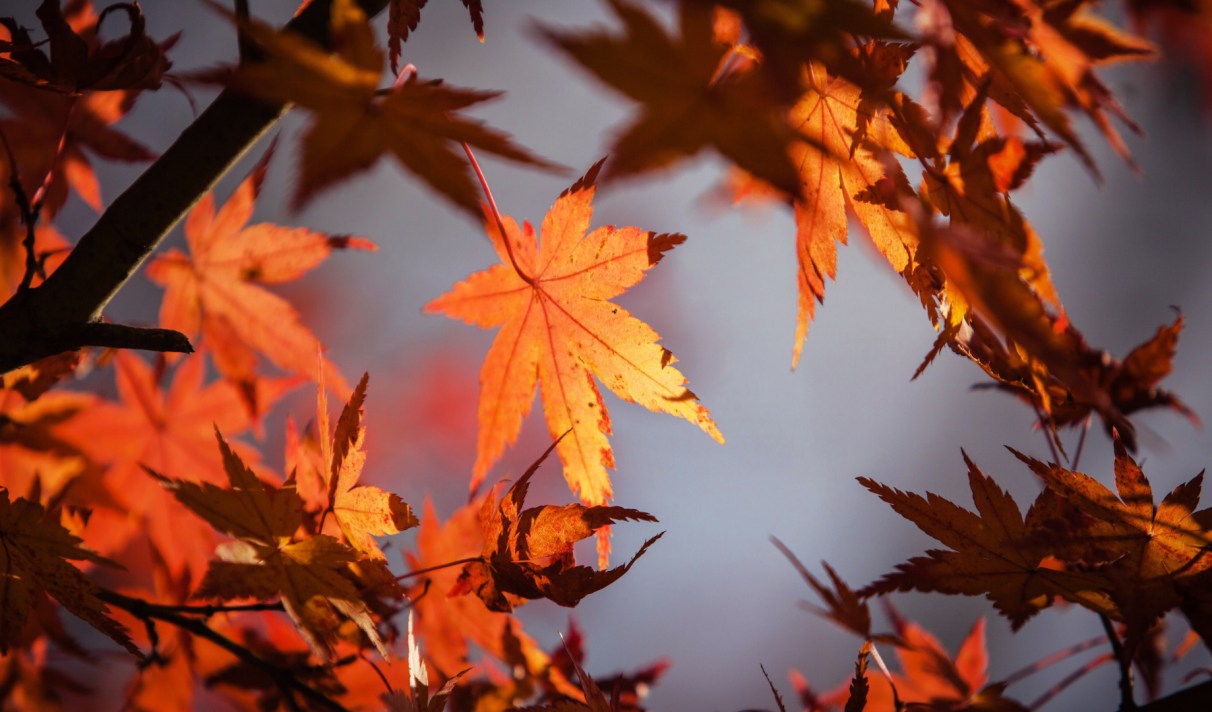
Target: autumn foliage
139	497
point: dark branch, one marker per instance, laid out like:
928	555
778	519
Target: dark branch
283	678
38	321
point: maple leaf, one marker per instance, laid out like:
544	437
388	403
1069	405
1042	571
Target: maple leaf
995	552
1041	356
354	124
265	560
1043	56
52	136
403	16
34	555
169	430
362	511
31	449
791	33
78	61
843	606
450	625
527	553
215	288
687	105
558	328
1154	558
846	170
626	689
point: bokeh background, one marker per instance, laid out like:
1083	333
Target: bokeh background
714	596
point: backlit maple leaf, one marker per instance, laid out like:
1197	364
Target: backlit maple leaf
930	678
558	328
1155	556
844	172
1042	57
265	560
34	555
171	430
361	511
354	124
40	120
215	289
687	104
30	448
995	552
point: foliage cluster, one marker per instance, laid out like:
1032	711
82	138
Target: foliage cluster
269	586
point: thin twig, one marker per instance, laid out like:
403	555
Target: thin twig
1052	659
496	215
447	565
1068	680
283	678
29	215
386	683
1044	424
214	610
247	48
1081	443
1127	699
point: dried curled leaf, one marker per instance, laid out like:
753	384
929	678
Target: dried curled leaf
528	552
79	62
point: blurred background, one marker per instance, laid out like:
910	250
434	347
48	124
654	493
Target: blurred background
714	596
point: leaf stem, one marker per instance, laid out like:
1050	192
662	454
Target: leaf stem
1081	443
1068	680
1048	431
447	565
1127	701
29	214
1052	659
496	214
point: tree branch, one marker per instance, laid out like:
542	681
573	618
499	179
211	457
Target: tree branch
38	322
283	678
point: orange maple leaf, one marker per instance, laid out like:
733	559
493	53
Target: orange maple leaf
929	677
214	289
558	328
31	451
845	171
1042	57
171	430
354	124
361	511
